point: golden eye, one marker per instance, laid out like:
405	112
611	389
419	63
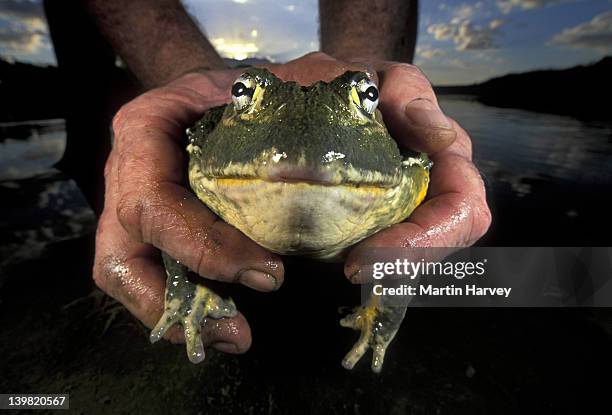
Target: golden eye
364	94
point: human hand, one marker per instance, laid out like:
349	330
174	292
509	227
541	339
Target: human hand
455	212
148	207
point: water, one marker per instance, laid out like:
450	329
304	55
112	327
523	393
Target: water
547	175
40	206
28	149
512	144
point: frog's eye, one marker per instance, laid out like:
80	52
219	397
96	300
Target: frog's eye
247	91
364	94
242	92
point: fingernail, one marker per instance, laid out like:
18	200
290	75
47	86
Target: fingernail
423	113
225	347
257	280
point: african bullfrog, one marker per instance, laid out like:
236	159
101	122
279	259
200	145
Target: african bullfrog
301	170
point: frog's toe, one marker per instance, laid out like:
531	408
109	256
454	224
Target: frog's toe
363	319
189	305
168	319
359	349
378	325
378	356
356	353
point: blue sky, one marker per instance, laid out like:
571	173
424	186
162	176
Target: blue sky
459	41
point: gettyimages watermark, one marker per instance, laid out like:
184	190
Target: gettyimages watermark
489	277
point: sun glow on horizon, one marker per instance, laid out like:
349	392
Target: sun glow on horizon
235	49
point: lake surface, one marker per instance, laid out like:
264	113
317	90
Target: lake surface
513	145
547	175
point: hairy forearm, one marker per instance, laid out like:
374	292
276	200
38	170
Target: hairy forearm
157	39
375	29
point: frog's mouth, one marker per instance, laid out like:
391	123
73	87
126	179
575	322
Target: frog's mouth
330	175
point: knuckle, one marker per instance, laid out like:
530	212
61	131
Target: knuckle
119	117
406	69
129	212
108	167
207	261
112	275
129	112
317	55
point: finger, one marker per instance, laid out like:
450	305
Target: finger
411	111
154	207
456	213
138	282
131	273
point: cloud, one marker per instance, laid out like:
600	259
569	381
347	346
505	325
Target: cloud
428	52
463	32
20	8
442	31
23	28
22	42
470	37
506	6
594	34
465	35
464	11
495	24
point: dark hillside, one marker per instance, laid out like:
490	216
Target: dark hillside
581	91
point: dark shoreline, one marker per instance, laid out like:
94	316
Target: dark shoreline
571	92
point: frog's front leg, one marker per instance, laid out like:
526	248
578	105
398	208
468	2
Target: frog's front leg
378	322
189	304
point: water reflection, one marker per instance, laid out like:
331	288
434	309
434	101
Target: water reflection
526	144
547	174
40	206
30	148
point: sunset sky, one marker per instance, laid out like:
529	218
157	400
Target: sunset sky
459	41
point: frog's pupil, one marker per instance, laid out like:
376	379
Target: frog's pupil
371	93
239	89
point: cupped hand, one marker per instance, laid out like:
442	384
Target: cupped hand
148	208
455	213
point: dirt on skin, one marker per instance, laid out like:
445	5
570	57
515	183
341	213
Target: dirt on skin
60	335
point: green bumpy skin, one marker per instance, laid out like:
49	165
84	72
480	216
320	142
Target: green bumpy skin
301	170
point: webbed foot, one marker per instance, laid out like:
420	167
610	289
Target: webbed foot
189	305
378	324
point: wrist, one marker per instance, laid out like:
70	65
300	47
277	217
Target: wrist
358	29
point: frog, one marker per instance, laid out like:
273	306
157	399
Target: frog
301	170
